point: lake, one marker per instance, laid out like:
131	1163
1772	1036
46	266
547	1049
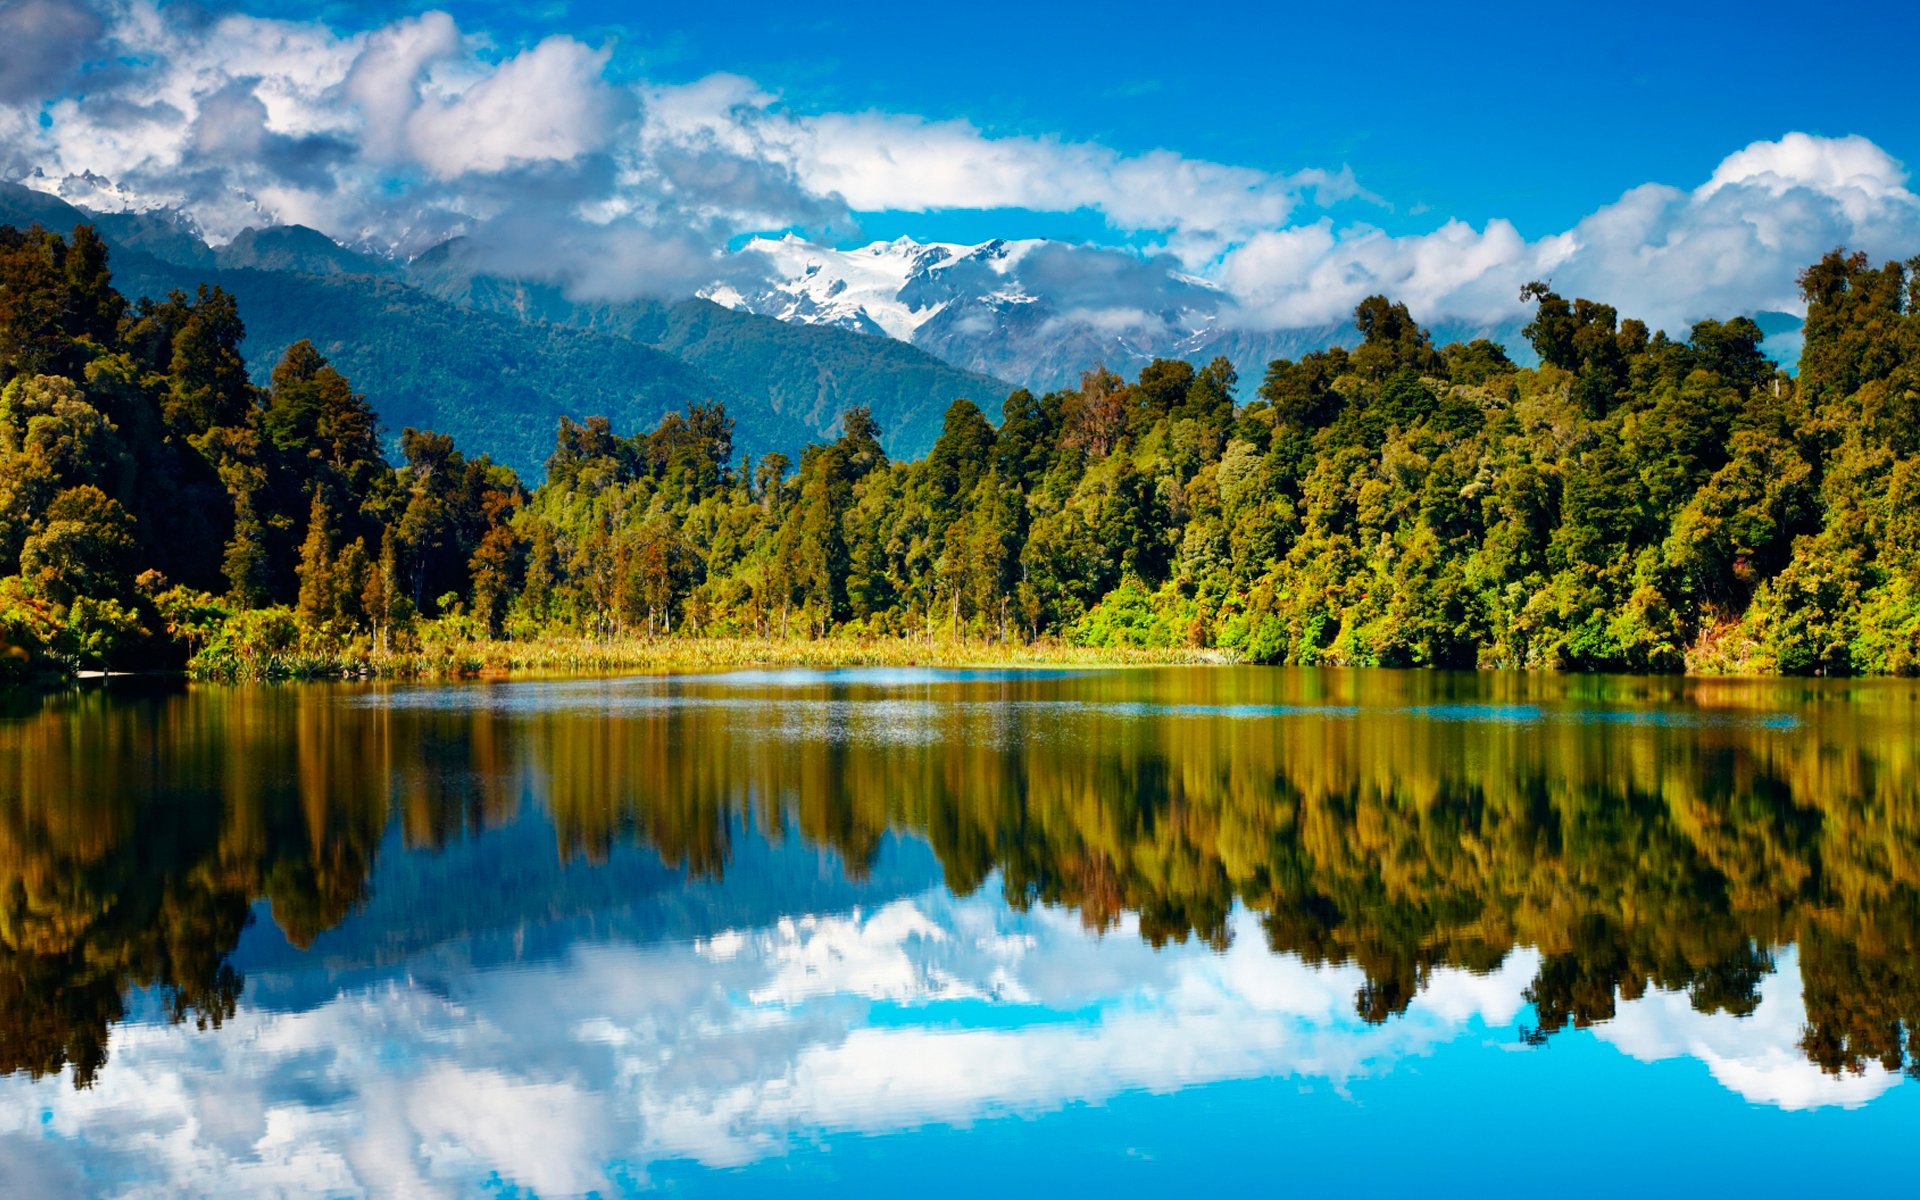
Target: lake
961	932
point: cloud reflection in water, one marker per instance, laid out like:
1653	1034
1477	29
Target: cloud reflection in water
583	1072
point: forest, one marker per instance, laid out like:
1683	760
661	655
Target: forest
1633	503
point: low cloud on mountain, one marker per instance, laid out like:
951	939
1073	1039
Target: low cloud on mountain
557	168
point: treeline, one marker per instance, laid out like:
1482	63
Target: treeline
1634	503
153	501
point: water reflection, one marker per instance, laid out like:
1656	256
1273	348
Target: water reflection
1348	868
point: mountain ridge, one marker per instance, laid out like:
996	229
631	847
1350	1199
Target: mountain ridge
806	372
496	363
1017	309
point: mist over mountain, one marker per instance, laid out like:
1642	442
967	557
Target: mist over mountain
1034	311
497	362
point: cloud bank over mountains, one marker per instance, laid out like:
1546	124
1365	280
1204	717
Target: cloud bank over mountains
560	169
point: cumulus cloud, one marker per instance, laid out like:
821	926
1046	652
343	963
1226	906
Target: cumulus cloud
1851	169
548	104
407	134
401	136
884	162
417	130
1669	256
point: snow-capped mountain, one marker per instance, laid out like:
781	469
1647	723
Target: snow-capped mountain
98	194
1035	311
888	288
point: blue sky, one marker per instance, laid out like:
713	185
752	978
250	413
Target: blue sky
1536	113
1679	162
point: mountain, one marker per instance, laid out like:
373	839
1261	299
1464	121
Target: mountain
499	385
496	362
970	305
298	248
167	235
1037	312
807	373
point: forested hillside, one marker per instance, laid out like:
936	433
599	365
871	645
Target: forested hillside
806	376
487	380
497	363
1634	503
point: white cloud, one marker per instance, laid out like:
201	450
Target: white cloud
548	104
414	131
1312	274
1850	169
385	78
1669	256
881	162
423	133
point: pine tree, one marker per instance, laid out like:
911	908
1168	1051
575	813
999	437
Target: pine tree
245	564
317	604
352	572
380	597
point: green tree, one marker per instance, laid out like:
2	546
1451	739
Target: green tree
84	547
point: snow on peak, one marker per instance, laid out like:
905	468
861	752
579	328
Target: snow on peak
888	287
96	193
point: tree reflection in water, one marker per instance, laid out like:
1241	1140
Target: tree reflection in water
1637	833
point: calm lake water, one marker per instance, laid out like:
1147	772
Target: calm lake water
962	933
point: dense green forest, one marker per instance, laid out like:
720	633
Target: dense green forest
1634	503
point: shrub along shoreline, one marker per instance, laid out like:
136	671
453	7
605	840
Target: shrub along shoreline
467	657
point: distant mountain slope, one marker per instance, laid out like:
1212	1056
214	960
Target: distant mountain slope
808	375
297	248
166	236
498	384
496	363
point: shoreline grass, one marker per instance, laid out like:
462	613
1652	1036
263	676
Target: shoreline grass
470	658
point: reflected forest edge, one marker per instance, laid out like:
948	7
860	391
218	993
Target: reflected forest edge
1632	858
1633	503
